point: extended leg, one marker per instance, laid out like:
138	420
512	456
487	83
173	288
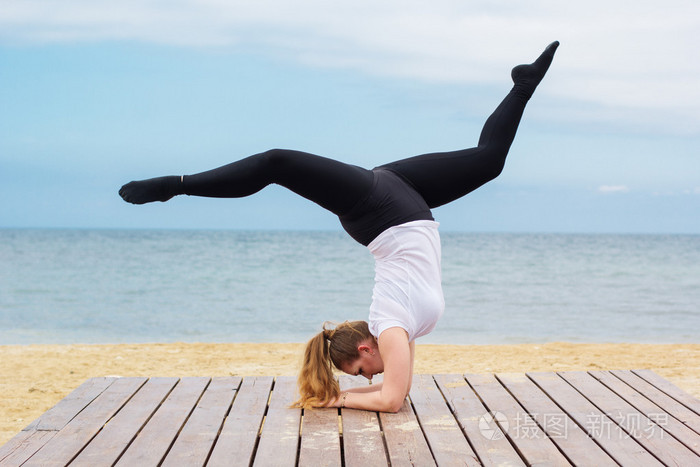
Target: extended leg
444	177
333	185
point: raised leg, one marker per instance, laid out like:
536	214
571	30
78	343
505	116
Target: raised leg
333	185
443	177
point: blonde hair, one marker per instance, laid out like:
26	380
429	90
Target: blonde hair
329	348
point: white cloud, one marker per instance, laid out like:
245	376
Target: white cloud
634	64
607	189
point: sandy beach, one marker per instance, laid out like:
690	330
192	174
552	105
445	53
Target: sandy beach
33	378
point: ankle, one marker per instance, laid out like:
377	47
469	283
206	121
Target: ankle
527	77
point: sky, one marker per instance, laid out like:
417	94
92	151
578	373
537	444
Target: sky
94	94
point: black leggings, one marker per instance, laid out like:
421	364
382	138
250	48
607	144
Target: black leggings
338	187
367	201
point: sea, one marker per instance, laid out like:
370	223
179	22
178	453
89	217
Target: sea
137	286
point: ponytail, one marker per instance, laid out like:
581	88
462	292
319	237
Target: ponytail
331	347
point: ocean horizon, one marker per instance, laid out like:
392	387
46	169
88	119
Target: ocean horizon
65	286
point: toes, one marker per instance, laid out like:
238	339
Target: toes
126	193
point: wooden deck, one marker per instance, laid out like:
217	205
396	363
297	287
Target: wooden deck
595	418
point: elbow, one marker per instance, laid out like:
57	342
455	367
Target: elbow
392	402
394	405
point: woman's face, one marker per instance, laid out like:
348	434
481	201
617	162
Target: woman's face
368	364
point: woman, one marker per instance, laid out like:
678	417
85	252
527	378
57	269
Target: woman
386	209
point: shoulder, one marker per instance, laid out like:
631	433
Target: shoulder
392	339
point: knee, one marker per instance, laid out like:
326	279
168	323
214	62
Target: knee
276	156
497	168
277	160
495	162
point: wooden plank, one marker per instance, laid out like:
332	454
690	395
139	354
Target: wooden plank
100	419
523	431
624	450
152	443
669	405
63	412
671	389
680	431
23	446
279	439
363	444
487	439
575	444
637	425
28	441
362	439
197	437
405	441
446	440
68	442
320	438
239	434
16	443
114	438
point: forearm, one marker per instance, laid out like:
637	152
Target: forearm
365	389
376	401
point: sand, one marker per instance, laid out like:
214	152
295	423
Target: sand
33	378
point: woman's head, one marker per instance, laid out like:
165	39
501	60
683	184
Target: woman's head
339	347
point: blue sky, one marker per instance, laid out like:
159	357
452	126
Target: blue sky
95	94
